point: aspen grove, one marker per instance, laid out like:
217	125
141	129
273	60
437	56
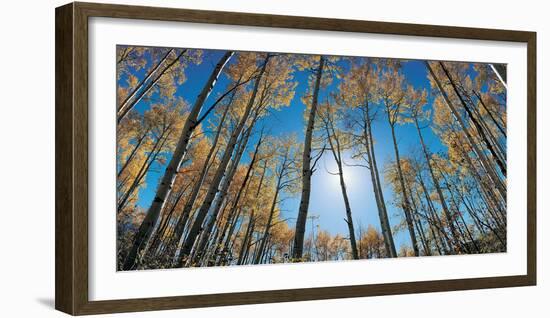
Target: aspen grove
231	158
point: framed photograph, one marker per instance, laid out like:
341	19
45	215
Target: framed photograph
219	158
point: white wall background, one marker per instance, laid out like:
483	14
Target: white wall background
27	158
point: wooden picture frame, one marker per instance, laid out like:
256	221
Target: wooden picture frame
71	155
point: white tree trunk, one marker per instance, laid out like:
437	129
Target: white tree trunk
165	186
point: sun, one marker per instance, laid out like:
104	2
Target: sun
332	174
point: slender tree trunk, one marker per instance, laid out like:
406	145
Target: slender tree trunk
186	211
232	217
471	212
349	219
266	259
214	209
216	204
231	170
165	186
230	239
128	105
124	54
488	111
436	238
278	187
208	229
483	223
307	169
497	181
337	154
151	157
490	194
437	186
245	245
144	80
263	239
207	203
406	202
160	233
478	127
377	188
457	207
233	238
244	252
132	154
418	224
200	253
435	216
492	139
234	207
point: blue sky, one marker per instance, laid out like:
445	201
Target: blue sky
326	198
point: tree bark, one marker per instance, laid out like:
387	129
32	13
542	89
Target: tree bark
164	222
457	207
278	187
488	111
418	224
144	80
435	216
337	154
201	214
471	141
436	238
377	188
251	220
406	202
437	186
493	140
491	194
306	169
477	125
207	231
132	153
186	211
172	169
128	104
245	245
151	157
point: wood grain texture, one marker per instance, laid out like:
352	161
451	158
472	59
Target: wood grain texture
64	235
71	222
164	303
532	158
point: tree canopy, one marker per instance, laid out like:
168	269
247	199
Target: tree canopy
231	158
